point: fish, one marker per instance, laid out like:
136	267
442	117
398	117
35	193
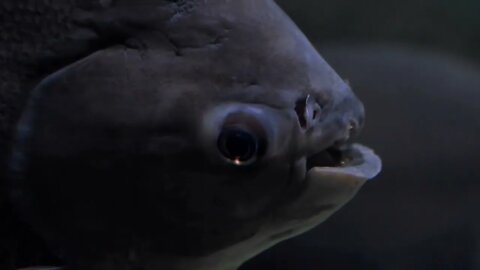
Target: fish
175	134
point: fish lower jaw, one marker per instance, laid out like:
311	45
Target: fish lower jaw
354	159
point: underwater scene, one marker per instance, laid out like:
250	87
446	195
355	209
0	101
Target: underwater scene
239	135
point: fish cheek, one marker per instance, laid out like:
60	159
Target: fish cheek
227	192
230	193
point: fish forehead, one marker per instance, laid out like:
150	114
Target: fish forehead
220	51
247	51
234	45
253	43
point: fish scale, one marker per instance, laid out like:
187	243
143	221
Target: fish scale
36	37
32	32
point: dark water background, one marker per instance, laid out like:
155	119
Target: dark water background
416	66
447	25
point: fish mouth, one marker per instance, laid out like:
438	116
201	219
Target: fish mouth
353	159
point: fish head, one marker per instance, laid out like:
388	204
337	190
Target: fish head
214	134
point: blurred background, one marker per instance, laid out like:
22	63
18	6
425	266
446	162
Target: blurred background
415	65
446	25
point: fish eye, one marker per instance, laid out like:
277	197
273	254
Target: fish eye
240	146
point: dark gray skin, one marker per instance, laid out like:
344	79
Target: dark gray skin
117	162
424	120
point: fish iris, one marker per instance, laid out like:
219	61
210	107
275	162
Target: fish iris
237	145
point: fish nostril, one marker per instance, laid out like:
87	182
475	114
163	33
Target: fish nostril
350	132
352	129
300	109
308	111
315	114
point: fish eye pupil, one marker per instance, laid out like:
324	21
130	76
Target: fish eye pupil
237	145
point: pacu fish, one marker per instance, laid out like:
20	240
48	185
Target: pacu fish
174	134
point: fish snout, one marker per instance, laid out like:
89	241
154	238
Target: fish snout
333	123
351	116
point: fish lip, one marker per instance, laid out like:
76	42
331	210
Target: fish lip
358	161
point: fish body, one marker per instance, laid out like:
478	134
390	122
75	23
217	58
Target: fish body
181	134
